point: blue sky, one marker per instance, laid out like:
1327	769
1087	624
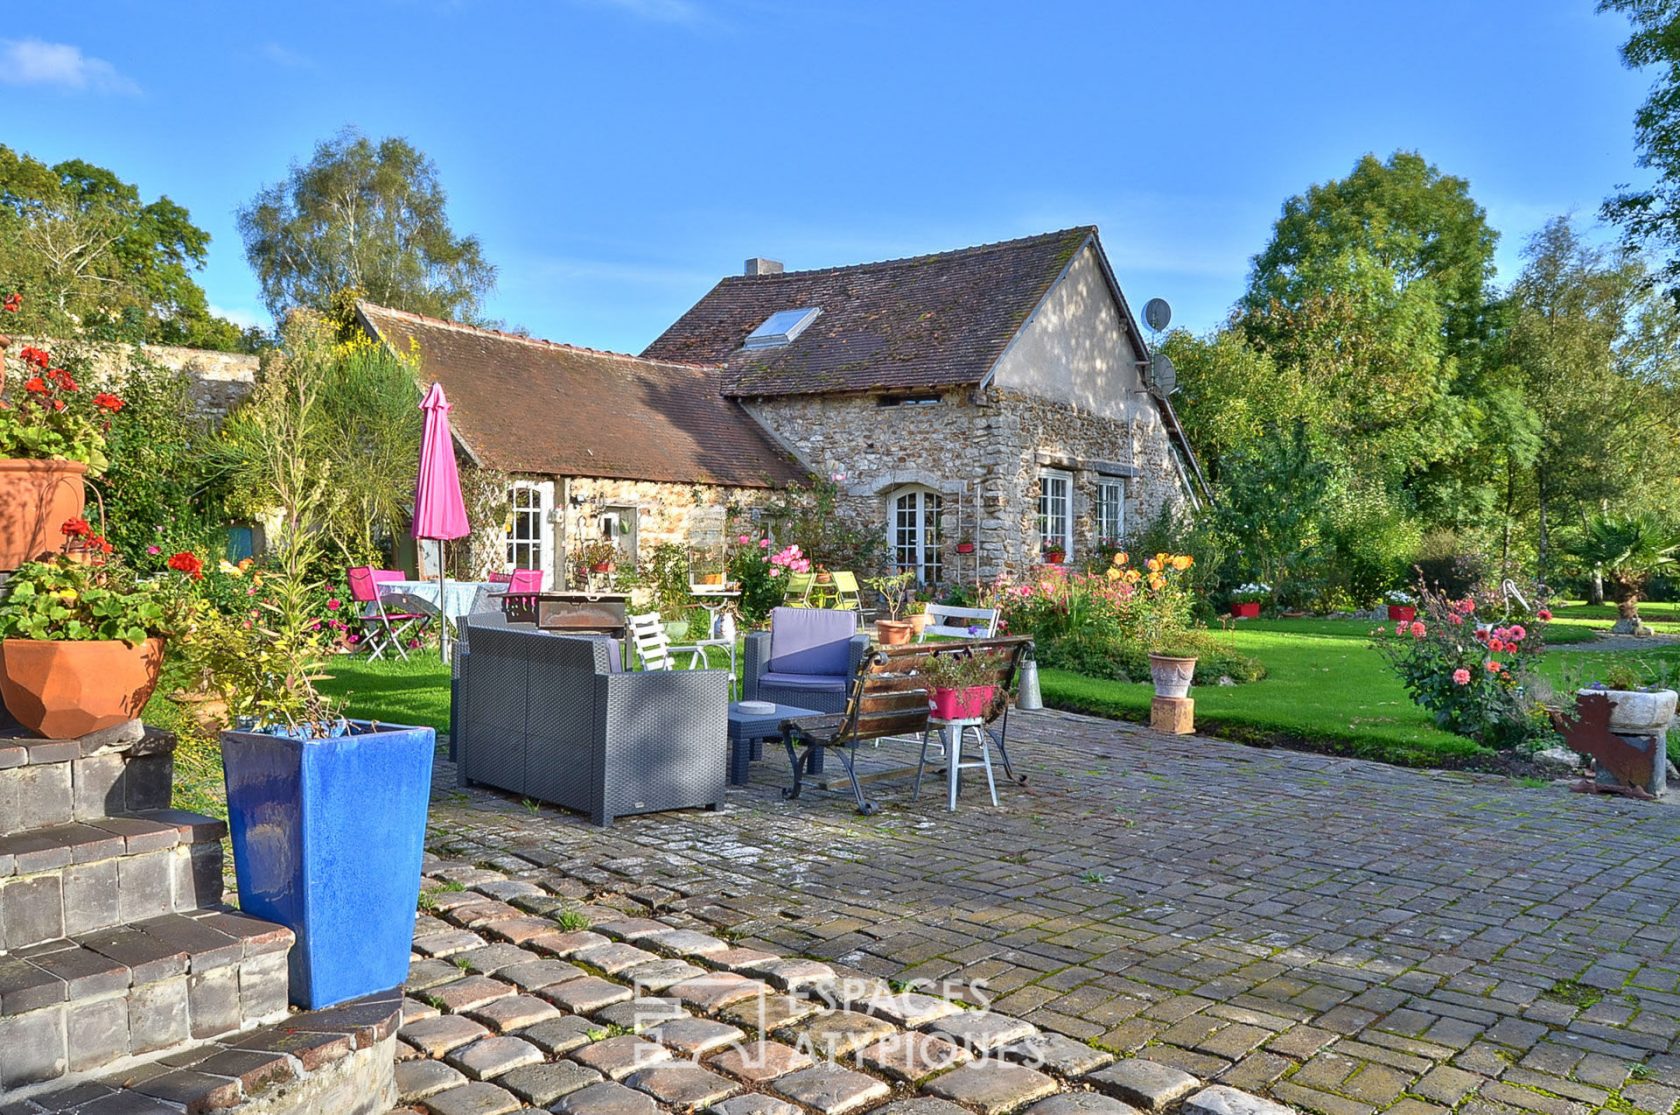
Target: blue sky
617	156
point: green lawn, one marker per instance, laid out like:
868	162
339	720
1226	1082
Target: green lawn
1326	689
412	692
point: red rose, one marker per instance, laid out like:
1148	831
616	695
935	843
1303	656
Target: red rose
107	401
33	356
187	562
13	303
75	528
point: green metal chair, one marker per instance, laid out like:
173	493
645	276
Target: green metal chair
798	590
846	588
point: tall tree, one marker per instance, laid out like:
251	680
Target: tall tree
92	259
1408	218
1593	351
1650	217
363	216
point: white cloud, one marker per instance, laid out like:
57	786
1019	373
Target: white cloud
284	56
245	319
34	62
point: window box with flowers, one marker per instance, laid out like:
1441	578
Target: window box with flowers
1246	599
52	436
1402	606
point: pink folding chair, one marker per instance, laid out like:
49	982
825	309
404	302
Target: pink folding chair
382	629
523	582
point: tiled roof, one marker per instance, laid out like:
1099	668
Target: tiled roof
931	321
531	406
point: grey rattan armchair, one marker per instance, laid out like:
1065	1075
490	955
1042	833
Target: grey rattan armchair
548	717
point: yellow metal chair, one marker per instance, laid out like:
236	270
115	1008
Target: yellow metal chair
846	592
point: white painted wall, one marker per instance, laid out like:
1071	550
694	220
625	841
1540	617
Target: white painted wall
1075	349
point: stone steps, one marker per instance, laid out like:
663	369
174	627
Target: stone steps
336	1060
102	999
71	877
53	782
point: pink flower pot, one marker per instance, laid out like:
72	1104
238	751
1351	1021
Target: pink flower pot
1402	613
1248	609
964	704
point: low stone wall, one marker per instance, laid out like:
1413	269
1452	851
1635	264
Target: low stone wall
217	381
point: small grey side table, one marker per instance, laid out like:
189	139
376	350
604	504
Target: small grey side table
747	730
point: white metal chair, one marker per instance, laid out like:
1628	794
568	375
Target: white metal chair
960	623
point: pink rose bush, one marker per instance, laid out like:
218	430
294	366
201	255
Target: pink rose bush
1474	675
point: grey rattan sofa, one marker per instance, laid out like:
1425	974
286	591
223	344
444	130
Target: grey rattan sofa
549	717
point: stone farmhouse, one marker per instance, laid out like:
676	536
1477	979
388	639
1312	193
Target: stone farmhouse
982	406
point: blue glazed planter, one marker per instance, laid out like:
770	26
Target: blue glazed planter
327	839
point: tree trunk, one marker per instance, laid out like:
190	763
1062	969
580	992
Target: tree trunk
1595	589
1543	551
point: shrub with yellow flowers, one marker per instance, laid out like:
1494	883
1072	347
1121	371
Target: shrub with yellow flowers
1105	623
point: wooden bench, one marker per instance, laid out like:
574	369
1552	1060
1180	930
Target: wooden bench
888	696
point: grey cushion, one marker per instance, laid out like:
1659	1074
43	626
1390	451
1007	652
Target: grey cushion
815	683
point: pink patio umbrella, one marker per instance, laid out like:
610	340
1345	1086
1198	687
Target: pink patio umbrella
439	512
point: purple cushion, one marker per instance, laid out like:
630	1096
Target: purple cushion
811	641
811	683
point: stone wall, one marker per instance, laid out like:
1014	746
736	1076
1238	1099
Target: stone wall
983	454
217	381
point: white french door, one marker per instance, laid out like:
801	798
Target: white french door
530	535
913	534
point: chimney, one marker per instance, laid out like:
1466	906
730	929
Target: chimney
758	265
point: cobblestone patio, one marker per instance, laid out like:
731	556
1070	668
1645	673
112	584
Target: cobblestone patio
1343	936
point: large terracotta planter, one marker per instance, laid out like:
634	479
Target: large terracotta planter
36	497
918	623
892	632
1172	675
63	690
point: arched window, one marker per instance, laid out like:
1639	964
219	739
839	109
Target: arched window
913	532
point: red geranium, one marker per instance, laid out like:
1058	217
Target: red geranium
62	378
75	528
13	303
35	384
33	356
107	401
187	562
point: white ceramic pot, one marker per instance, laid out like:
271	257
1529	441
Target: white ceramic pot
1638	712
1171	675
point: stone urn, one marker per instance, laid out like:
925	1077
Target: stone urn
1638	712
1172	674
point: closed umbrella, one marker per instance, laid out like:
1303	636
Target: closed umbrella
439	512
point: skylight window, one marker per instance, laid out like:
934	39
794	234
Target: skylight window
781	328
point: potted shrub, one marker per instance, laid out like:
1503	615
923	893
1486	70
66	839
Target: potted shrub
1246	599
1165	615
917	614
1402	606
82	646
52	436
1054	554
597	556
892	631
823	576
311	794
958	685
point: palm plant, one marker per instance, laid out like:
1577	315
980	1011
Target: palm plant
1626	551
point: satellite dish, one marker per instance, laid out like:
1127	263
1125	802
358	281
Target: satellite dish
1163	377
1157	313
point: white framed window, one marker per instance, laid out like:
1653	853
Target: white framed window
618	525
530	541
913	533
1055	510
1111	510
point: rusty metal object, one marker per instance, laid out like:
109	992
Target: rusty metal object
1589	734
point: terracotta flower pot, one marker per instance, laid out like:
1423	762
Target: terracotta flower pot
892	632
63	690
1054	557
918	623
825	578
601	567
1171	674
36	497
